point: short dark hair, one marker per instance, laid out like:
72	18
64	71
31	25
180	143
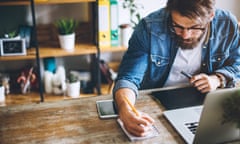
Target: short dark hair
192	8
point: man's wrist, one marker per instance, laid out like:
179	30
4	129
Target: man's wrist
222	80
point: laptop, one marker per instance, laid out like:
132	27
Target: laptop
202	124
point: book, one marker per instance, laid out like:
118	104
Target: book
131	137
104	23
114	23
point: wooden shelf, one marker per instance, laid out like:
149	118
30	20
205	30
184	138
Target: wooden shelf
33	97
113	49
44	52
31	54
39	2
80	49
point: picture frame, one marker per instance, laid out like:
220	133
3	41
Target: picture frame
12	47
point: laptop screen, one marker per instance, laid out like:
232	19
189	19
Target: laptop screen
179	98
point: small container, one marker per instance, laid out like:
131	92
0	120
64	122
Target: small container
125	33
73	89
2	94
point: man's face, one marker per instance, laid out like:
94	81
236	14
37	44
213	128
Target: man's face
188	31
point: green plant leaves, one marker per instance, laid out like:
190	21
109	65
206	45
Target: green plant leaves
72	78
12	34
66	26
133	8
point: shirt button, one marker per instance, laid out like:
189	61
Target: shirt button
158	62
204	64
204	46
219	59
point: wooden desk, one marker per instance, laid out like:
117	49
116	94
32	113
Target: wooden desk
75	121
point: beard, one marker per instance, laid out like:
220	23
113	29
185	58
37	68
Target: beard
189	43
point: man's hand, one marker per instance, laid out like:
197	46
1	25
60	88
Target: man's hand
205	83
136	125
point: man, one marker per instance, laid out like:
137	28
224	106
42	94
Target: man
188	35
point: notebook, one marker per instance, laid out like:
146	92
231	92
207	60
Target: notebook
203	124
131	137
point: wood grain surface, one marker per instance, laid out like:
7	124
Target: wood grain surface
75	121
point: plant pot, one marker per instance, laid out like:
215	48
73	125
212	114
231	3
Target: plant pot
67	42
73	89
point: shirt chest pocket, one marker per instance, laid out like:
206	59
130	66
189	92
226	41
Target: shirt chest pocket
159	61
218	60
158	66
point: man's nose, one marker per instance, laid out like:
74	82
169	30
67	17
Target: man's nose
186	34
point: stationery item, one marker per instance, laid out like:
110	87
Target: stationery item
154	132
114	22
131	137
104	23
132	107
186	74
27	79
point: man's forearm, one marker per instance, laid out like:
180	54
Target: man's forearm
121	93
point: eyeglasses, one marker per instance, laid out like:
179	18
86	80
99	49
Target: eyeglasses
180	29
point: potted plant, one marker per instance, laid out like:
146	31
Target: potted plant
66	29
11	34
73	86
134	10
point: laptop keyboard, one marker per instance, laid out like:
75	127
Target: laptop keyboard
198	110
192	127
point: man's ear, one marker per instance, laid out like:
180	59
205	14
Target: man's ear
212	14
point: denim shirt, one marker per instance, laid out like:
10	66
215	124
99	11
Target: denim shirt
152	50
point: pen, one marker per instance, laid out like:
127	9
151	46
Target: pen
132	107
186	74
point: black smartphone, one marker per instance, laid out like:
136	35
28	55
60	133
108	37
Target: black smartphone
106	109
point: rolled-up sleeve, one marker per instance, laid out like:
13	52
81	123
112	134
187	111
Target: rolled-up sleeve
125	84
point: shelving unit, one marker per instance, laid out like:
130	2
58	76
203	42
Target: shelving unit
83	48
27	2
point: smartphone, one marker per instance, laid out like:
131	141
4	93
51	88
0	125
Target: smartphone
106	109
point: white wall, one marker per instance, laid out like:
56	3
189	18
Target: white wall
149	6
152	5
231	5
